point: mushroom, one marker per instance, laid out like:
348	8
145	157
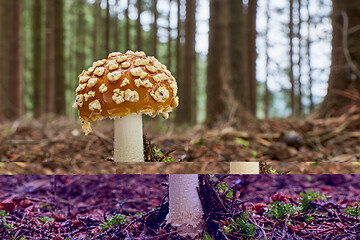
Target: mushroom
244	168
123	87
185	209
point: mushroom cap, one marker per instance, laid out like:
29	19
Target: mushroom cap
123	84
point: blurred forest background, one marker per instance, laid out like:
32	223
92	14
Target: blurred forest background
252	47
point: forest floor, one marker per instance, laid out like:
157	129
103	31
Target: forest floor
135	207
55	145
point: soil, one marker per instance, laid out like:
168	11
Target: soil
77	207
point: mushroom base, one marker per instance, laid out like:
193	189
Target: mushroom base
128	139
244	168
185	209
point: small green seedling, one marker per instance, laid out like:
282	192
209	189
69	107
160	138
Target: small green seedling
159	153
46	219
242	141
273	171
199	142
46	206
3	213
240	224
223	187
307	197
7	225
353	211
280	210
118	219
206	236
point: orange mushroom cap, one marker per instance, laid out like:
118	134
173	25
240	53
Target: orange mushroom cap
123	84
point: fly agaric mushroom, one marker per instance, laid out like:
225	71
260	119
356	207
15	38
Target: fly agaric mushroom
244	168
123	87
185	209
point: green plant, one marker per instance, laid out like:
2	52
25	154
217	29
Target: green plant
46	206
161	154
307	197
240	224
118	219
280	210
242	141
46	219
7	225
273	171
3	213
199	142
206	236
223	187
353	211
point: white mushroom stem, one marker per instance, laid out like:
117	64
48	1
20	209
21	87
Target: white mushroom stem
244	168
128	139
185	209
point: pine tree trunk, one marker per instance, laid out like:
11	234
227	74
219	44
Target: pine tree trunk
267	47
49	59
116	45
185	109
38	82
345	56
218	90
291	51
4	22
238	65
107	28
169	43
59	57
252	9
138	26
15	76
308	45
128	47
299	84
154	28
96	15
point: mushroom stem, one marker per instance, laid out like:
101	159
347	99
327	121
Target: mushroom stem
244	168
128	142
185	209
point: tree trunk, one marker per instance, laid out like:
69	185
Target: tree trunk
291	51
219	94
267	47
59	57
49	63
15	76
252	9
127	26
154	28
107	28
169	43
185	109
138	26
96	15
345	56
299	84
308	45
116	45
238	57
38	95
4	65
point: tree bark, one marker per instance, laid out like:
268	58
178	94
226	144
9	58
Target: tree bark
345	56
267	47
154	28
308	45
4	21
219	94
107	28
169	43
127	26
238	57
299	84
59	58
49	63
138	26
37	73
185	109
252	9
291	51
96	15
